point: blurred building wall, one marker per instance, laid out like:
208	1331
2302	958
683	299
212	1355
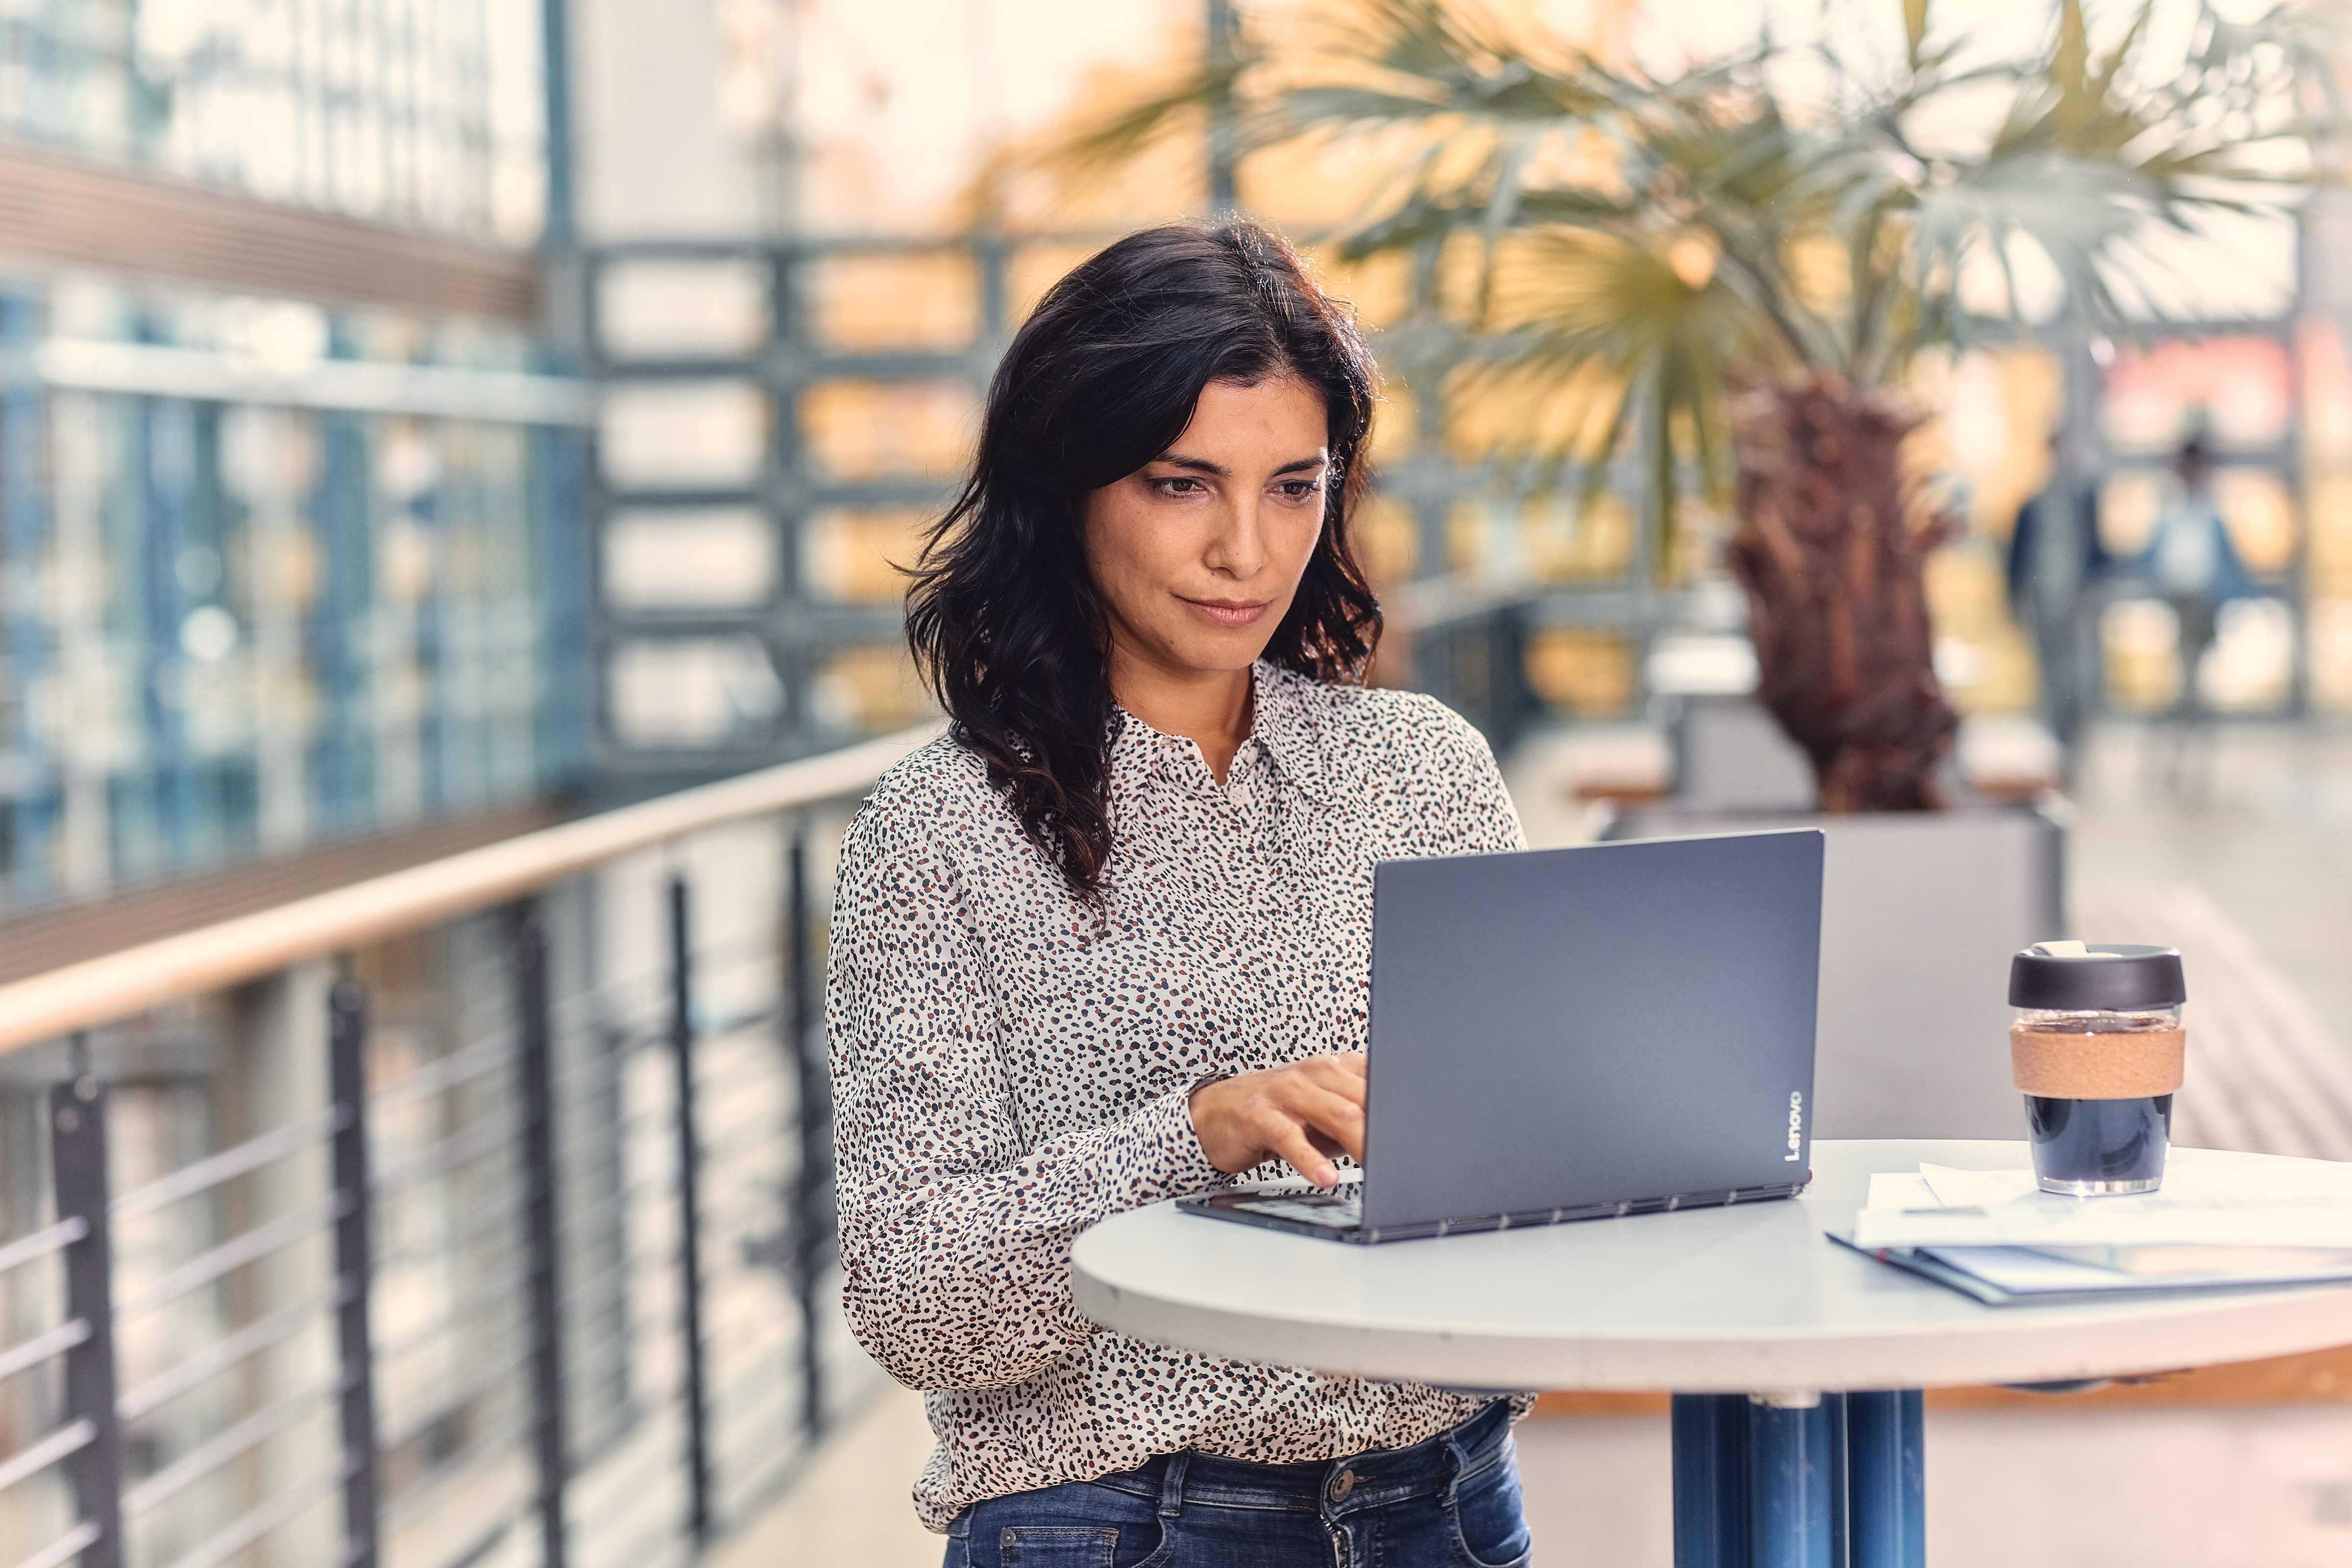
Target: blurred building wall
800	272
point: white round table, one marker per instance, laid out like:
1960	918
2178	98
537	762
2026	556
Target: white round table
1749	1301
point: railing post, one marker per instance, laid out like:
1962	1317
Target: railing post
78	1165
813	1214
536	1093
689	1211
354	1269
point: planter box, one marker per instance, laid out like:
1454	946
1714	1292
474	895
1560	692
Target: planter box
1730	755
1920	912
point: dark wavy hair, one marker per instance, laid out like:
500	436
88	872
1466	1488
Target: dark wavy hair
1002	615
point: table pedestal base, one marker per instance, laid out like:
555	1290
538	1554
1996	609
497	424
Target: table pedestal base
1840	1483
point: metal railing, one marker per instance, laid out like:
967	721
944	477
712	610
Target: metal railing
502	1232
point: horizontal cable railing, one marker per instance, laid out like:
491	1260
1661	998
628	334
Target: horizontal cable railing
425	1259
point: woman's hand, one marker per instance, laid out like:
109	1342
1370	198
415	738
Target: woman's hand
1303	1113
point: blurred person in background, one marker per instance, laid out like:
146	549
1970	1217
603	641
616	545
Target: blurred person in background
1107	942
2192	565
2056	567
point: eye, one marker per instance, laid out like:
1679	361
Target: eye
1300	490
1181	485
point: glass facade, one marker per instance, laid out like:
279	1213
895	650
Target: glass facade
420	113
234	626
274	571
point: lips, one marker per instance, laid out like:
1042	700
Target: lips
1229	612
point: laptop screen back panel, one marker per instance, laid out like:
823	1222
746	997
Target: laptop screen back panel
1613	1022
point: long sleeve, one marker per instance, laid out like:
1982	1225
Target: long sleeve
955	1233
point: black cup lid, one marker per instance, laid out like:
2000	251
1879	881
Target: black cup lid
2099	976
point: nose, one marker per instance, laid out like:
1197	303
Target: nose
1238	549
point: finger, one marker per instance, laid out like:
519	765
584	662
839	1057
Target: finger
1335	1116
1339	1067
1291	1143
1332	1075
1339	1105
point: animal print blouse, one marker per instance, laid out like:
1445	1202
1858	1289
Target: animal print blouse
1008	1070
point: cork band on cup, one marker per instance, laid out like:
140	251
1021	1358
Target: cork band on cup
2127	1064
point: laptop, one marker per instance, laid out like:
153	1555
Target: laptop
1563	1035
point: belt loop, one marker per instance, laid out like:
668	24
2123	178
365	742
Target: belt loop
1455	1460
1172	1486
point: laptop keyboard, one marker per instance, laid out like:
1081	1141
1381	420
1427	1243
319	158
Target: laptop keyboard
1342	1208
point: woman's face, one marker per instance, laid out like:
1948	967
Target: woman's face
1197	554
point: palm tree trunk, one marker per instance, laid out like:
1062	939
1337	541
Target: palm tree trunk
1832	557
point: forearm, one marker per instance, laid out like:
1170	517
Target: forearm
963	1282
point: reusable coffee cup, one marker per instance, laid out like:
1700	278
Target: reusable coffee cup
2097	1048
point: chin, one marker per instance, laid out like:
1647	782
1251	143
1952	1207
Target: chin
1224	656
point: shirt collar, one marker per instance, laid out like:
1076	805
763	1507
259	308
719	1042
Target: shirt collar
1138	749
1286	729
1280	723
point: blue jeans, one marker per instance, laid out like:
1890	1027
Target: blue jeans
1450	1502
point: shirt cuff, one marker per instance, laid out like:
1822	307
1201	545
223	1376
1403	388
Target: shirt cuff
1168	1126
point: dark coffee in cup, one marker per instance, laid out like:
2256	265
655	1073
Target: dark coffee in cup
2099	1050
2114	1145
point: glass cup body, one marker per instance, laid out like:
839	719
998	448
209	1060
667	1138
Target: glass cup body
2091	1148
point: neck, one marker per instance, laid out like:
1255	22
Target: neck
1209	708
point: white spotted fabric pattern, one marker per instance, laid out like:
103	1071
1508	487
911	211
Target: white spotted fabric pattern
1008	1070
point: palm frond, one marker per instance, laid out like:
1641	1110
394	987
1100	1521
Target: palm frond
2098	148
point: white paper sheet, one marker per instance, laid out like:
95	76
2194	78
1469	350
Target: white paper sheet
1956	1189
2307	1204
1902	1190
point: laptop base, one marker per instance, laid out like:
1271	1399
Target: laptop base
1338	1214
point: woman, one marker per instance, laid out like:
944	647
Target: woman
1110	941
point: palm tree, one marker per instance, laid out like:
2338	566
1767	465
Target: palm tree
1746	256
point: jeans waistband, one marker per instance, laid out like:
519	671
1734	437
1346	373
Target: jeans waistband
1339	1486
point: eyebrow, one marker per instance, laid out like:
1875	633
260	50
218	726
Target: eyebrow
1203	466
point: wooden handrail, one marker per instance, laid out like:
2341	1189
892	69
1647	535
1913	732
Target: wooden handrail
101	990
